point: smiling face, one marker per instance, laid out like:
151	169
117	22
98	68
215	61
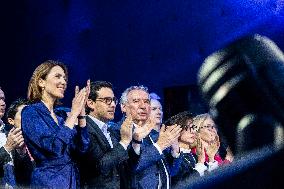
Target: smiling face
54	85
100	108
2	103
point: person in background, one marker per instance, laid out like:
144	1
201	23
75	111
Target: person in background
10	139
149	168
50	139
22	161
156	111
2	108
106	154
186	163
209	139
191	160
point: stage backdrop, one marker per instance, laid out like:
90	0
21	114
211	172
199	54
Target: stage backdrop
157	43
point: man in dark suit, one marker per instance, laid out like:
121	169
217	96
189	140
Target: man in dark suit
100	166
150	168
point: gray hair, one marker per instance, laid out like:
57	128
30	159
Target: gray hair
154	96
123	98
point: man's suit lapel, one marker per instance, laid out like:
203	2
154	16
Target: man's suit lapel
95	130
154	135
113	139
162	165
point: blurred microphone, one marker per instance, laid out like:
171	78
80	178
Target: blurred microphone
243	85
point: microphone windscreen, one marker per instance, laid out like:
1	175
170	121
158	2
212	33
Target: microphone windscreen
243	85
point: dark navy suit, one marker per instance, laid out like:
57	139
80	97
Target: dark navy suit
183	168
100	167
149	166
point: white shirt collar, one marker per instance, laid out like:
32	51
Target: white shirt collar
98	122
135	125
185	150
2	125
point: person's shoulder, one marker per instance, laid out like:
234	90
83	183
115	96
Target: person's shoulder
31	108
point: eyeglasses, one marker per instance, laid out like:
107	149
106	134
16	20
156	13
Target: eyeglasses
192	128
208	127
108	100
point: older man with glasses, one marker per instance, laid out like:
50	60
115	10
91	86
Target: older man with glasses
100	166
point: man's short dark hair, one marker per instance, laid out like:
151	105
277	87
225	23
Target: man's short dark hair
95	87
180	119
13	108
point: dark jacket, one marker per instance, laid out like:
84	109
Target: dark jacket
100	167
149	165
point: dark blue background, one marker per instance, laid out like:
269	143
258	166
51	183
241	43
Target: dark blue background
157	43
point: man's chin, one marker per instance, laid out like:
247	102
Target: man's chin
109	115
143	118
158	122
60	96
110	118
140	122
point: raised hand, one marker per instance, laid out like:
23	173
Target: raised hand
200	150
126	130
78	106
175	147
88	88
150	124
213	148
168	136
15	139
78	101
229	155
143	131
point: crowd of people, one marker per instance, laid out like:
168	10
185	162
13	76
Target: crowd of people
43	146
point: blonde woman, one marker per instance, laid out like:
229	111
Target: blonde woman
209	139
